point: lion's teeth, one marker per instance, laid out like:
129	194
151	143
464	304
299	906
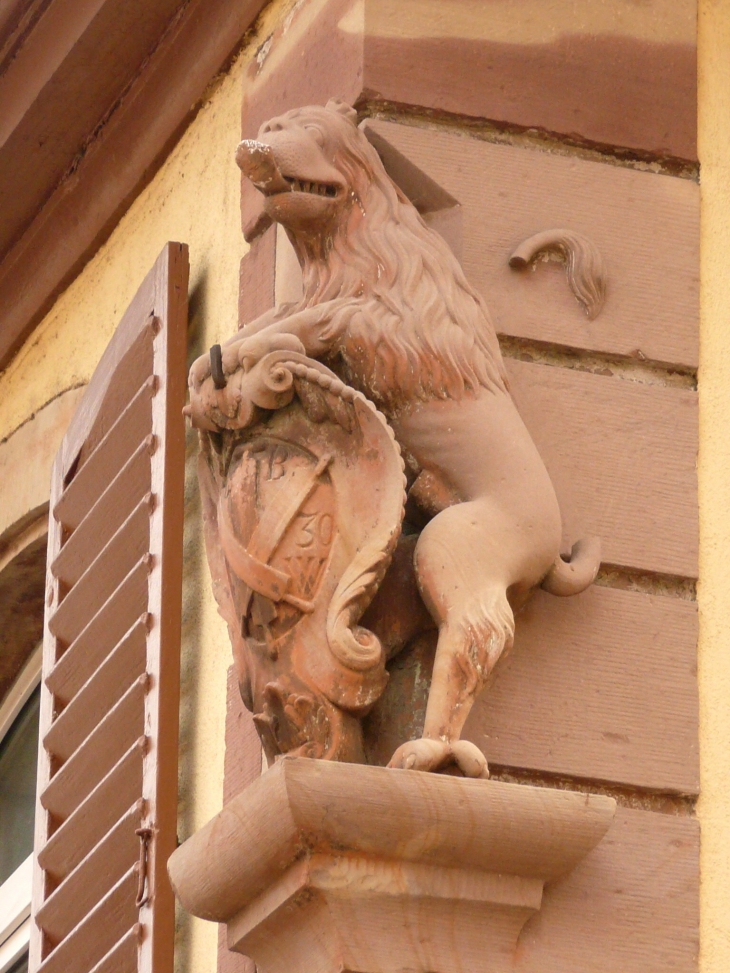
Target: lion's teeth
317	188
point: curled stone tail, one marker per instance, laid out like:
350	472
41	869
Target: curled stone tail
573	576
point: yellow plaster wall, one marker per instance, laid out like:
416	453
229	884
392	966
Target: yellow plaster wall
194	198
714	483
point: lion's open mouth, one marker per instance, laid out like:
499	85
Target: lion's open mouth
315	188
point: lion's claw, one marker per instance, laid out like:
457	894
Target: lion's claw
433	755
470	759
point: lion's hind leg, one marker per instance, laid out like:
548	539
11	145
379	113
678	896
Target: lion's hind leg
468	600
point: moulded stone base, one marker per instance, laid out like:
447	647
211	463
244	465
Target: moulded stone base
333	913
337	868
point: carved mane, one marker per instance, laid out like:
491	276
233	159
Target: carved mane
422	331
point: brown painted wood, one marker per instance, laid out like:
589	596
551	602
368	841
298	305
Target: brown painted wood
92	878
112	752
105	573
124	153
98	931
621	456
159	784
104	746
135	320
125	663
122	957
125	436
50	72
630	907
82	500
645	225
103	632
96	815
128	377
109	512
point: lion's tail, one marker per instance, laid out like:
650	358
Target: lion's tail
584	266
573	576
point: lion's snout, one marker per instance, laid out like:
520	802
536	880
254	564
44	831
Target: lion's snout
257	162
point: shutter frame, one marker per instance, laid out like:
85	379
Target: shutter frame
160	306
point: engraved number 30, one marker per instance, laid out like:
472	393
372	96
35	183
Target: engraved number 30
316	527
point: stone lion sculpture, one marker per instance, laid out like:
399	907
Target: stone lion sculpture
386	306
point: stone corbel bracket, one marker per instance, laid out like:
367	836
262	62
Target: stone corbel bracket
332	867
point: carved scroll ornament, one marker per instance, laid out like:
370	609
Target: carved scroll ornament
302	479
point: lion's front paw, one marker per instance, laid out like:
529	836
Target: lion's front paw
434	755
247	351
226	383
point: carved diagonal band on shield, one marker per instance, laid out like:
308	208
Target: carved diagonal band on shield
251	563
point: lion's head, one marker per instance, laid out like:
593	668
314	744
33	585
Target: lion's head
421	331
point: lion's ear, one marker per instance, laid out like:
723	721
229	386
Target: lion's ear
342	109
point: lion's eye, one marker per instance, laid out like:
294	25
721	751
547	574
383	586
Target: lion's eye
316	134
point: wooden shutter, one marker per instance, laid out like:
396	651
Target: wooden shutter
110	687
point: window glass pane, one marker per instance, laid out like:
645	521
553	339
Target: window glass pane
21	966
18	759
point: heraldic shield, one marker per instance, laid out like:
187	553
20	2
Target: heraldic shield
303	492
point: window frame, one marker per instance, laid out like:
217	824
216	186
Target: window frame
15	891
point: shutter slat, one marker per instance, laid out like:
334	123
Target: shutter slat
130	429
107	764
92	819
136	365
101	691
104	574
121	958
92	878
109	512
98	753
110	624
92	939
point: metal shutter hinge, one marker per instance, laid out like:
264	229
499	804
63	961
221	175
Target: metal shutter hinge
143	894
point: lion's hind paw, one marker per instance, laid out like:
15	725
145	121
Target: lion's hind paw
434	755
470	759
